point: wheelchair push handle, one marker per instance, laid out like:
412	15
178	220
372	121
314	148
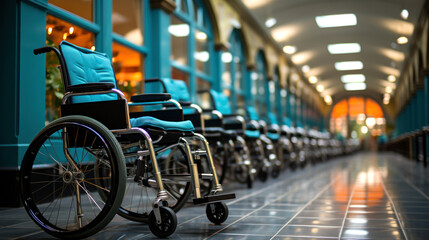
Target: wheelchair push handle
41	50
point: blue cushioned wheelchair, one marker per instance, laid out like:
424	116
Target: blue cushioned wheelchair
262	148
98	159
230	153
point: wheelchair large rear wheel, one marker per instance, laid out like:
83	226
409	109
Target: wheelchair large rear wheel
61	186
141	193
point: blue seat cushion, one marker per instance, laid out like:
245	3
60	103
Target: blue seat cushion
252	133
182	126
273	136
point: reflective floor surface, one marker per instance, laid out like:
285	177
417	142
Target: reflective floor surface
362	196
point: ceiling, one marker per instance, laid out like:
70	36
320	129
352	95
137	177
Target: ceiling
379	25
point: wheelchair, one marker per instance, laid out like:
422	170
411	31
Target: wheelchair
97	159
225	145
239	163
261	147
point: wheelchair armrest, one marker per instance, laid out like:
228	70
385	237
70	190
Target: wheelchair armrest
151	97
185	104
90	87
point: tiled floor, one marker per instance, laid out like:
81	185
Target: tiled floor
363	196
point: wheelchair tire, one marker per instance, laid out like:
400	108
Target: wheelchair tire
275	171
64	195
219	214
249	180
168	222
139	196
263	173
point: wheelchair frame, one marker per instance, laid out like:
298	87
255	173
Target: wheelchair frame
216	211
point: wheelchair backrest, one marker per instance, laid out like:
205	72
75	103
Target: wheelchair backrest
253	115
176	88
287	122
272	118
83	66
221	102
86	66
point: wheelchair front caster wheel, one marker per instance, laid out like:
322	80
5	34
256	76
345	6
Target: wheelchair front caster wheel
275	172
217	212
249	180
263	174
168	222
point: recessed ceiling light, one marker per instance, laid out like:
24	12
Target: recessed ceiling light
289	49
348	65
305	68
391	78
312	79
351	78
386	101
404	14
402	40
320	88
342	48
386	95
338	20
355	86
328	99
270	22
388	90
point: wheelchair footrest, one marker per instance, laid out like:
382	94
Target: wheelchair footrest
213	198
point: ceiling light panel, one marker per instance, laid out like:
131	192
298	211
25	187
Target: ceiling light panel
339	20
355	86
348	65
270	22
352	78
343	48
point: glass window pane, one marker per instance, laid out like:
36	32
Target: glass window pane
241	105
82	8
180	75
204	100
179	40
196	16
202	54
238	73
56	31
226	75
272	87
183	6
127	21
128	67
203	84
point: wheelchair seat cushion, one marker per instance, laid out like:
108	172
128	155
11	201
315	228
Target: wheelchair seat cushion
273	136
252	133
146	121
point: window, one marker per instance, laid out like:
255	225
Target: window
191	35
128	67
56	31
128	51
179	31
351	114
235	72
127	21
82	8
260	87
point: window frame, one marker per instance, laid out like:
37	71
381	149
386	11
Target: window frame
203	25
